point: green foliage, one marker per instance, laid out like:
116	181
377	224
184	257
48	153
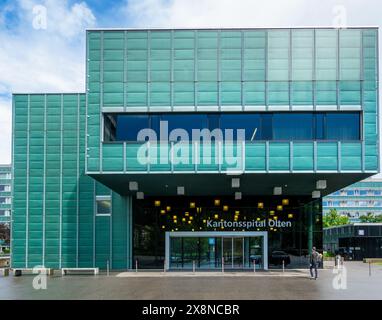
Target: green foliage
334	219
371	217
328	254
4	232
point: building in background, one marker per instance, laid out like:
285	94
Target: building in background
356	241
5	206
357	200
88	193
5	193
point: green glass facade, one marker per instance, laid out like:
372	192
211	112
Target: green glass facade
62	165
236	70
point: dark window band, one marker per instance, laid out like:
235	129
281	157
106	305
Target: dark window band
277	126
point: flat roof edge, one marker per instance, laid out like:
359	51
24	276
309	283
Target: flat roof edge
229	28
44	93
357	224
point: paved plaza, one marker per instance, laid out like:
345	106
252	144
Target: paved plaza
293	284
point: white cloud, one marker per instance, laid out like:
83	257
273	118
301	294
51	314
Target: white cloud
62	19
248	13
5	131
51	60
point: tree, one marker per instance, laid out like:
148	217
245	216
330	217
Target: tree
4	232
334	219
369	217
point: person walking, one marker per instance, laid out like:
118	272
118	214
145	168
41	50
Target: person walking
314	259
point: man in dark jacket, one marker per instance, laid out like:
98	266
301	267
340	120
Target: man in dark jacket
314	259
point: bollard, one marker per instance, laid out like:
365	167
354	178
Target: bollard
136	265
254	266
283	266
369	268
4	272
193	266
164	265
223	264
107	267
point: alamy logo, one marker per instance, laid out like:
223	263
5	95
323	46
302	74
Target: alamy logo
40	281
340	279
40	20
204	146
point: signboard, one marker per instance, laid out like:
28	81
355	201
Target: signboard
249	224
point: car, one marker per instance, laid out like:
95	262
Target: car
345	253
277	258
256	257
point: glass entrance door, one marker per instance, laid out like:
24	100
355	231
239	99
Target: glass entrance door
227	252
207	250
238	253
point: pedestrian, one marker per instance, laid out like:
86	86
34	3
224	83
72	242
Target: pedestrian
314	260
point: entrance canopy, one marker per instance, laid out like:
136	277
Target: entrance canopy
202	184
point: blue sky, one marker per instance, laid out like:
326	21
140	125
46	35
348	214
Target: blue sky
52	59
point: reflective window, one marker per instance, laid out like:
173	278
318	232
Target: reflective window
288	126
266	126
342	126
213	121
293	126
251	123
187	123
103	205
124	127
128	127
320	126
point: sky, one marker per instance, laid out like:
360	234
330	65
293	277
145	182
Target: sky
48	55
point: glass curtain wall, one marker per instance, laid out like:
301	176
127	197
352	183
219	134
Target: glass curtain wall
153	216
210	252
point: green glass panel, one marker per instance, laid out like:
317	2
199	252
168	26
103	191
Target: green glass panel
254	93
302	54
231	93
184	93
278	93
207	93
326	54
278	55
350	54
160	94
302	93
326	93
